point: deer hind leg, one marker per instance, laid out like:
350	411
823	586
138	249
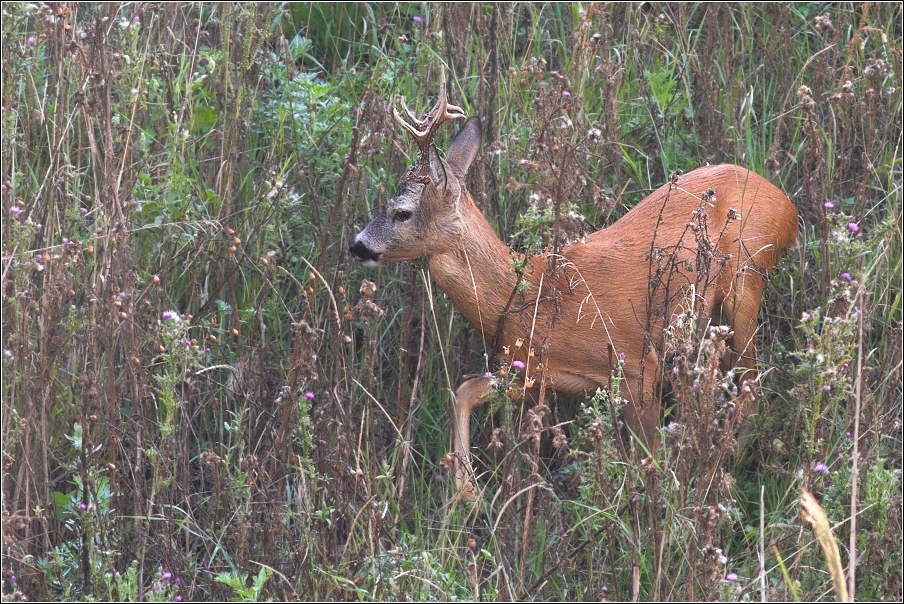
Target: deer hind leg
741	309
643	408
469	395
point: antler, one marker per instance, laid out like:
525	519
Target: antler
424	131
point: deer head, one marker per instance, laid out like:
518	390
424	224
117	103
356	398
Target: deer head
424	216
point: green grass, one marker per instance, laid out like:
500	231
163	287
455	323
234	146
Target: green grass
284	435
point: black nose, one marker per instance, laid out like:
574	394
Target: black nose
363	253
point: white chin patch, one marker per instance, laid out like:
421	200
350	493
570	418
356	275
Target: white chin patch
370	263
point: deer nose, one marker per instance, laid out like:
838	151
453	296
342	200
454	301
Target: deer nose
363	253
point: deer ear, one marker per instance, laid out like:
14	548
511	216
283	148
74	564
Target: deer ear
464	147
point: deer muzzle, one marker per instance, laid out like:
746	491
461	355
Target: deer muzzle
364	254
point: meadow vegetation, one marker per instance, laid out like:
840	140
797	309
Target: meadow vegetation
205	398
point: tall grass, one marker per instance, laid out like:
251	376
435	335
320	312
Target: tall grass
204	398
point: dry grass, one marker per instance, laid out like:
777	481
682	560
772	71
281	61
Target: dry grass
290	414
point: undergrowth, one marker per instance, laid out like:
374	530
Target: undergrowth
204	398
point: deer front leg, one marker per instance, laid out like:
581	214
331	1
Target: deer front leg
470	394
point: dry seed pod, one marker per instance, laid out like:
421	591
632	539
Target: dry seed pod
368	288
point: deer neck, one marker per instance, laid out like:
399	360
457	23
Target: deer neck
477	273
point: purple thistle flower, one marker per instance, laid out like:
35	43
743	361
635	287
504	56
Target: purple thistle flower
566	93
826	388
206	350
416	19
847	434
167	576
84	211
177	599
517	364
309	395
65	240
439	478
820	468
12	579
31	40
487	375
169	314
828	205
136	19
82	506
15	209
846	276
731	577
852	227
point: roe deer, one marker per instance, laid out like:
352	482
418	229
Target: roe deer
597	299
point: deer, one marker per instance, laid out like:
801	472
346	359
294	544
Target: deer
568	318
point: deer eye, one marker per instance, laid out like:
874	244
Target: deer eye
401	216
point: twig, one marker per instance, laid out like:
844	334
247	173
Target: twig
762	544
855	476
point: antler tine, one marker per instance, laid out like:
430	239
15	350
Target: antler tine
411	129
411	115
424	130
447	111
